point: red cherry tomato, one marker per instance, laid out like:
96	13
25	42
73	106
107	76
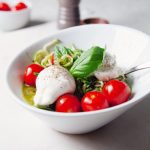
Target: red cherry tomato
52	60
94	100
116	91
67	103
20	6
4	6
31	73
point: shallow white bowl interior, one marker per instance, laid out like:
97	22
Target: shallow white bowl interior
11	20
130	46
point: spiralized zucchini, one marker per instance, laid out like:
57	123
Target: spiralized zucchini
47	61
51	44
63	56
42	56
66	61
39	56
76	54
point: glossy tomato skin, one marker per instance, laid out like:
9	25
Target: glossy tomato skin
31	73
68	103
20	6
52	60
94	100
4	6
117	92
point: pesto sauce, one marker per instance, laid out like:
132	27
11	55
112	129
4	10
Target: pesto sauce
28	93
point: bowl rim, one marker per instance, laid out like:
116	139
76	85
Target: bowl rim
46	112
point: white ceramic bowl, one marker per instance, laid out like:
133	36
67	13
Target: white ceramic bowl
12	20
130	46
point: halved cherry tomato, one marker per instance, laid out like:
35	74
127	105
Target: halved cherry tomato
4	6
20	6
94	100
68	103
31	73
117	92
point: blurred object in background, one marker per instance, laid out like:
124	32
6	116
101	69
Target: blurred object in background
14	14
69	14
88	17
94	20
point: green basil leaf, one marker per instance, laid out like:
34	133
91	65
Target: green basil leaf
59	51
69	51
88	62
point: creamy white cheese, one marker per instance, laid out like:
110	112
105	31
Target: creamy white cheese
51	83
109	68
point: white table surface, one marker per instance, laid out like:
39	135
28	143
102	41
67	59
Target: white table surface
19	130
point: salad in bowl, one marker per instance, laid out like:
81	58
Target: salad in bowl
68	79
74	80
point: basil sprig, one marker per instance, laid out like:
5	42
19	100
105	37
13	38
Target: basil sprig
60	51
65	56
88	62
